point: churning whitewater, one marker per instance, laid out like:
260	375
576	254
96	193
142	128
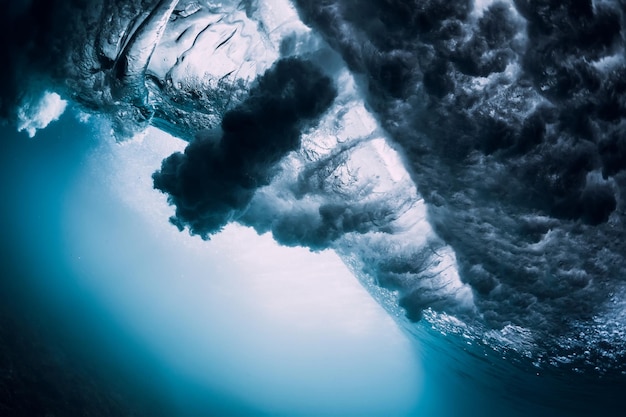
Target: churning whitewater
467	160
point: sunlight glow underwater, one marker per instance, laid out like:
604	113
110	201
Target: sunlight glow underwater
282	330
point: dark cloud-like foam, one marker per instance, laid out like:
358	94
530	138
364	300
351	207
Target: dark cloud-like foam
512	121
213	181
317	226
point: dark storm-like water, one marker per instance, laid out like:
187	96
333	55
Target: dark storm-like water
64	353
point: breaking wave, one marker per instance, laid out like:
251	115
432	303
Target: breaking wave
467	160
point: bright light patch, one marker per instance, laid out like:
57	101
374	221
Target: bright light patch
609	62
481	5
391	160
283	330
37	114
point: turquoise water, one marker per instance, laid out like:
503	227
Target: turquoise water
161	323
100	317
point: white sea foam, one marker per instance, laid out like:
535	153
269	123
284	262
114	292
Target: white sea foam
37	113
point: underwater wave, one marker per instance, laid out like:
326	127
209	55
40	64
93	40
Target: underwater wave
466	159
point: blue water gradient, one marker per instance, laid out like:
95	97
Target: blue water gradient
169	325
205	328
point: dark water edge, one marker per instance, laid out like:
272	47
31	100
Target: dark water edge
58	361
46	373
56	357
479	381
